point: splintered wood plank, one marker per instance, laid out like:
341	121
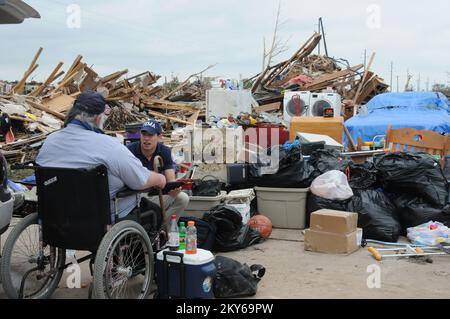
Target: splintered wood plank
333	76
20	87
49	80
174	119
60	103
46	109
162	104
361	84
73	66
268	107
194	117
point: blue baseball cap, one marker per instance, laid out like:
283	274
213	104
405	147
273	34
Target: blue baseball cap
90	102
152	127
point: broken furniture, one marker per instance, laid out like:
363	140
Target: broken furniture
330	126
412	140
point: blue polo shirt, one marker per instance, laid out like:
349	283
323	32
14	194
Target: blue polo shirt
161	150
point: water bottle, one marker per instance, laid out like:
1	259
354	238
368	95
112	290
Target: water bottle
182	236
191	238
174	237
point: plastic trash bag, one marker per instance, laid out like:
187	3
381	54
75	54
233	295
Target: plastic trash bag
414	211
228	223
328	160
332	185
428	234
363	176
234	279
413	173
377	215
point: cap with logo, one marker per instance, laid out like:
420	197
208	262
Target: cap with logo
152	127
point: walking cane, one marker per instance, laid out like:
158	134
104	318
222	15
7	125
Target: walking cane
158	164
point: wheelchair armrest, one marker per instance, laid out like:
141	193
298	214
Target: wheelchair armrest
125	192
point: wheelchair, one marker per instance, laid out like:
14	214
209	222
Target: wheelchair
74	213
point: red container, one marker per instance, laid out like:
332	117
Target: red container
267	135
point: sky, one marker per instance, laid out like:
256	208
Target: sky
182	37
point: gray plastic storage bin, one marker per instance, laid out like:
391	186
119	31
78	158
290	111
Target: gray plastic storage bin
199	205
284	206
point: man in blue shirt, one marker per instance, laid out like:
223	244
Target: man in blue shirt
146	150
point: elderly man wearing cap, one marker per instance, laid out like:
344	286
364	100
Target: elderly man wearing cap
82	144
146	150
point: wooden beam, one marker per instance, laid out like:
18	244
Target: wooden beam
174	119
301	53
351	142
268	107
333	76
19	87
72	67
361	84
161	104
194	117
113	76
46	109
49	80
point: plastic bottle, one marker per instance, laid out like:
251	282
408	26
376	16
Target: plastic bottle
174	237
182	233
191	238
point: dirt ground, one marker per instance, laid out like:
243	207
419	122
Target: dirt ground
292	273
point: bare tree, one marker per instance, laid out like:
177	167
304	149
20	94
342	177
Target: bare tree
276	48
277	45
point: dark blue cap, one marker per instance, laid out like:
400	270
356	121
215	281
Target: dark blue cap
90	102
151	127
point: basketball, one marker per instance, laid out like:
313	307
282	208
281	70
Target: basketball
262	224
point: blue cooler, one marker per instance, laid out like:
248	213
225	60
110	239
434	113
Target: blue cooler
189	276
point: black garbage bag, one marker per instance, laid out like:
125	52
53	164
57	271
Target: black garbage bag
234	279
315	203
414	211
377	215
284	158
413	173
228	223
246	237
298	175
363	176
328	160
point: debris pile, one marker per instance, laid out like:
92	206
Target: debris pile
41	108
305	71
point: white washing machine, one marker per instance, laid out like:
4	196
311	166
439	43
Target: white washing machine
321	101
295	104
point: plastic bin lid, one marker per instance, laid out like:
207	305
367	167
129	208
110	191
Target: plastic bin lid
282	190
208	198
200	258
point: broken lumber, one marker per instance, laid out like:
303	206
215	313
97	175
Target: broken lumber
46	109
173	119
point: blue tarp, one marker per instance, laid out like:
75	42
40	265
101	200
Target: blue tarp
419	110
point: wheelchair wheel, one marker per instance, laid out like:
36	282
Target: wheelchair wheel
123	267
21	254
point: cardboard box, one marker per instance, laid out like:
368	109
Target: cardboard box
334	221
331	243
